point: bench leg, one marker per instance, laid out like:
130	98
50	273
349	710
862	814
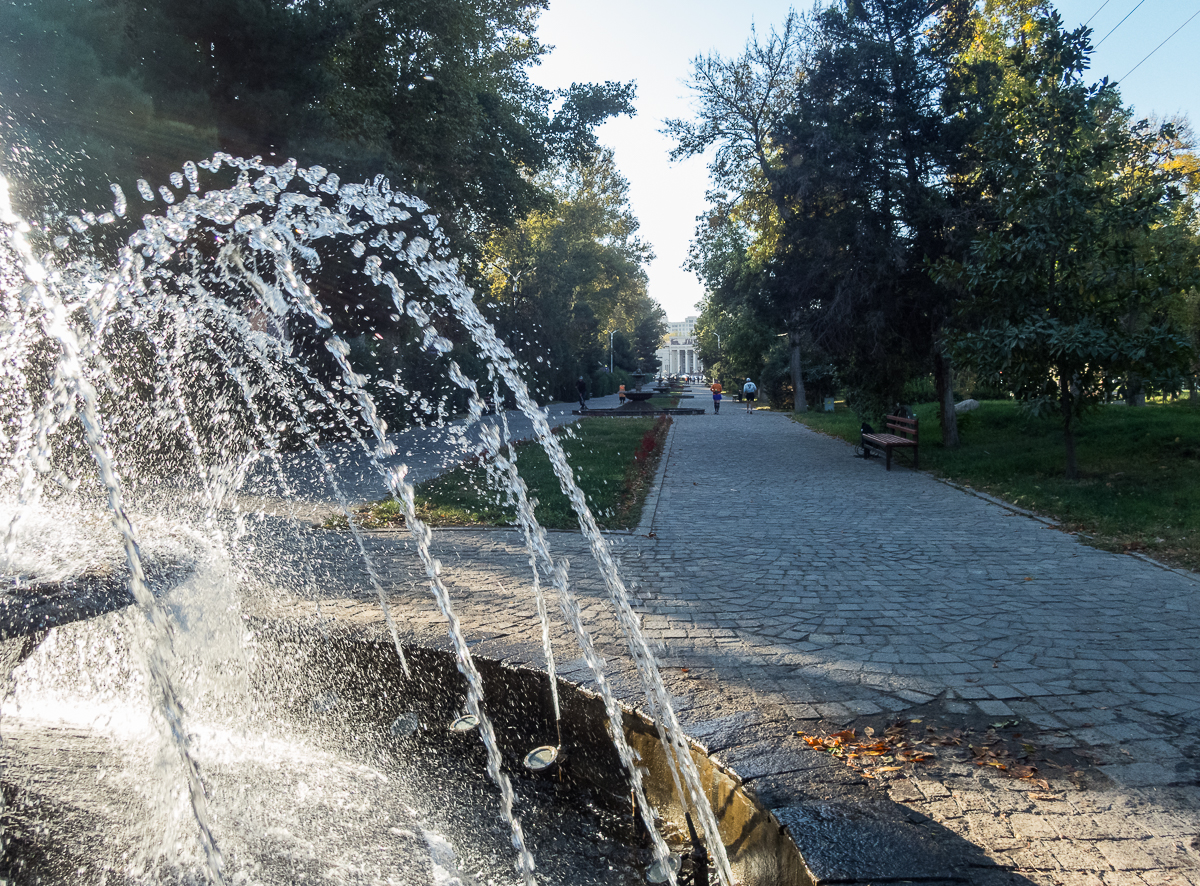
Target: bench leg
888	450
916	459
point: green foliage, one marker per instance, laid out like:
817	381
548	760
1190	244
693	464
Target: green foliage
623	356
613	461
1031	358
648	334
564	276
936	176
434	94
866	150
739	102
831	150
605	383
745	341
774	380
1084	247
920	390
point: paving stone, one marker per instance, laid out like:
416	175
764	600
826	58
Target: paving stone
1076	878
1029	857
1081	856
990	830
1030	826
819	603
904	791
1126	855
994	708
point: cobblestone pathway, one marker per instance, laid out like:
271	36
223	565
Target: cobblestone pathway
850	595
792	588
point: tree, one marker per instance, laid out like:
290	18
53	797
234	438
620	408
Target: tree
739	104
437	95
434	94
623	356
1085	245
864	157
648	334
746	343
563	277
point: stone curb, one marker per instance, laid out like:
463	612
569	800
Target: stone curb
1050	521
650	507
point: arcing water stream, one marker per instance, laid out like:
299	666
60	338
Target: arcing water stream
158	380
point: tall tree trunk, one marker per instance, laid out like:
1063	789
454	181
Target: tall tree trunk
801	404
1135	390
943	378
1068	413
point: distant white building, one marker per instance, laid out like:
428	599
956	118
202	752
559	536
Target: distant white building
682	329
678	355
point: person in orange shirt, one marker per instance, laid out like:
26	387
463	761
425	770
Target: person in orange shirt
621	394
716	389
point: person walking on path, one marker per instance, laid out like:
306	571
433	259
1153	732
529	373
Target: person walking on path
621	394
582	386
749	393
716	389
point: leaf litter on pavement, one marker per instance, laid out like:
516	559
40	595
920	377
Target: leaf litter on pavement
905	744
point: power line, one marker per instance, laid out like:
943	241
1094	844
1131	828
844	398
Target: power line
1097	12
1164	43
1121	22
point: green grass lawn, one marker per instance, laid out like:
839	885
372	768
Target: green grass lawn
614	460
1139	488
668	401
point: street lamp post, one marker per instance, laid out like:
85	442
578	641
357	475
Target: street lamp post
610	347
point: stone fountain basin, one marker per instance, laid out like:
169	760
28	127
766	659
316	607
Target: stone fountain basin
789	816
800	822
518	701
345	691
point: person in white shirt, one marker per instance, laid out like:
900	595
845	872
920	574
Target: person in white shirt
749	393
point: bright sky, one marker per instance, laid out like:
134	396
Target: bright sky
654	41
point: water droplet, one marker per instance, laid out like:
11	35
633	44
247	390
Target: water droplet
326	702
119	204
405	725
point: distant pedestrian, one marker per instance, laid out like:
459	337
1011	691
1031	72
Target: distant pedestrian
582	386
716	389
749	393
621	394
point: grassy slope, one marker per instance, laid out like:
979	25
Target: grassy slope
602	453
1140	483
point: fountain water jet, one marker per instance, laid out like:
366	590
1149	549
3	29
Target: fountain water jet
172	296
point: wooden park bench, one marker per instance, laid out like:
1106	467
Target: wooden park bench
887	442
